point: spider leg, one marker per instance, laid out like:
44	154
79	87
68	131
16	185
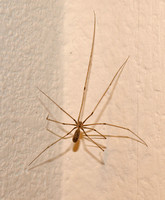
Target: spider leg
50	146
52	120
91	154
57	134
117	136
118	72
57	105
120	127
49	130
88	73
92	140
50	114
104	147
95	131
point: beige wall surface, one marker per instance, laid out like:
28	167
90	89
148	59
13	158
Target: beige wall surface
46	44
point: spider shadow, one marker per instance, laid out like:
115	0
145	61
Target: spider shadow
51	159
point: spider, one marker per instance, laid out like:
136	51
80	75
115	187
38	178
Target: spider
80	126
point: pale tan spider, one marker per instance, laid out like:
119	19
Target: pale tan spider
80	125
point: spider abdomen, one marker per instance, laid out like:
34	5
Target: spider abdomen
76	135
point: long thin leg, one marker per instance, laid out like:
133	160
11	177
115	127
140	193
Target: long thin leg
50	114
50	146
88	72
95	131
50	131
92	140
120	69
121	127
95	145
57	134
58	105
91	154
52	120
117	136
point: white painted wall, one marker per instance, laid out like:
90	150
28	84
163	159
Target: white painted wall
46	44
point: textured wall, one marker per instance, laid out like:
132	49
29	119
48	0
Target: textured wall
46	44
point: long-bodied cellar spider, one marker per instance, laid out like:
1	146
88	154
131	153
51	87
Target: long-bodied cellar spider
80	127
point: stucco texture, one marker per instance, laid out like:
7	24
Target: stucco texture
46	45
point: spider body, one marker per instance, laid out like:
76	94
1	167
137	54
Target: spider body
77	132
